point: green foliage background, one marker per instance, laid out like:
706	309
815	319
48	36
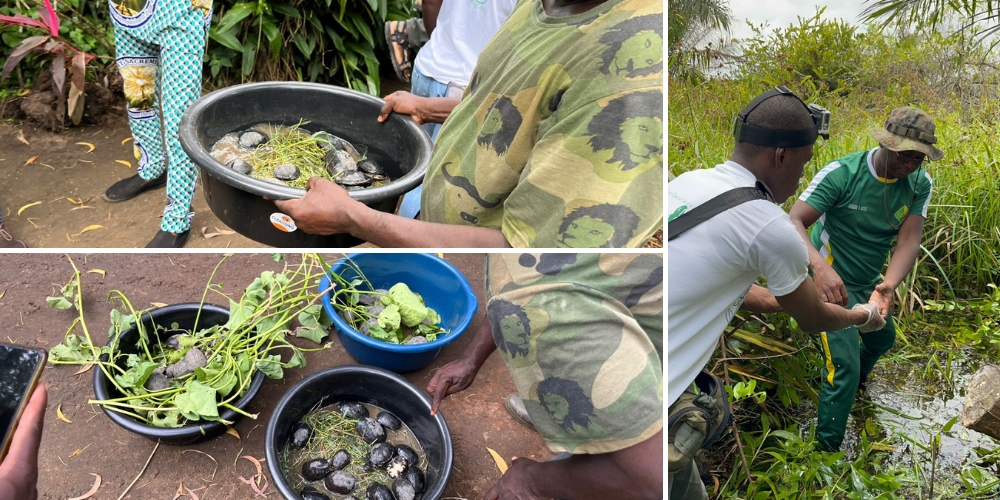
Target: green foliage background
948	321
330	41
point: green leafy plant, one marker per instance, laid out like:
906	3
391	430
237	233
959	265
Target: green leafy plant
205	369
397	315
328	41
62	53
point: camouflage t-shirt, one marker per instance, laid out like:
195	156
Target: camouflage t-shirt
582	336
558	141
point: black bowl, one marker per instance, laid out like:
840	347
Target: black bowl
398	144
365	384
184	315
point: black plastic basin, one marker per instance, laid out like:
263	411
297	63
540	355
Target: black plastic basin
184	315
398	144
365	384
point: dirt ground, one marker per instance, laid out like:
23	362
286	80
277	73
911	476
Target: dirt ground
93	444
66	180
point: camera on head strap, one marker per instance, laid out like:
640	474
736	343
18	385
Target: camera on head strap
744	132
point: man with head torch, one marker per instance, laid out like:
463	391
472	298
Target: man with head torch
857	205
725	230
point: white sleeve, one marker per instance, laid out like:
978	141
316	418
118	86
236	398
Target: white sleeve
780	255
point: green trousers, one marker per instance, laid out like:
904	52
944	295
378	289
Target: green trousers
849	357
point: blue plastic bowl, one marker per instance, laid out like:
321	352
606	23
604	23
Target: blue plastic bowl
443	287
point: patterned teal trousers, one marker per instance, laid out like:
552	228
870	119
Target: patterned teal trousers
159	54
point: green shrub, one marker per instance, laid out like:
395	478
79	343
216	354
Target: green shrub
329	41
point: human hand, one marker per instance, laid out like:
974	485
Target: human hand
404	103
829	286
882	295
453	377
19	470
875	320
323	210
516	483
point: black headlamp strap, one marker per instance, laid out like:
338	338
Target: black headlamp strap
744	132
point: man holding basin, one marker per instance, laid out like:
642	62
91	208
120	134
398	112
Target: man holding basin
558	141
582	336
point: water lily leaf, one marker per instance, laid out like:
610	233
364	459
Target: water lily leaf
411	307
314	324
71	351
271	366
390	317
198	402
298	359
58	302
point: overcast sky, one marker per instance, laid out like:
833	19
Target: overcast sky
781	13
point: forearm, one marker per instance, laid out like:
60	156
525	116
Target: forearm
759	300
482	345
388	230
438	109
431	9
900	264
599	477
815	258
832	317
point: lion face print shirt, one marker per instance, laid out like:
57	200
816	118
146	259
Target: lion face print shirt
558	141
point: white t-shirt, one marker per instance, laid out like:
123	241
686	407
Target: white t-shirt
711	266
464	27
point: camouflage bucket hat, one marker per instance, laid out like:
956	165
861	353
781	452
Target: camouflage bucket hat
909	129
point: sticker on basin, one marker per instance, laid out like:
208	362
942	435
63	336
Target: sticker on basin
283	222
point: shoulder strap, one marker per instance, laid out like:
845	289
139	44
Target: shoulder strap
713	207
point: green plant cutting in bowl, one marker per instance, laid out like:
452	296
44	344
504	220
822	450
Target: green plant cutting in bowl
397	315
179	377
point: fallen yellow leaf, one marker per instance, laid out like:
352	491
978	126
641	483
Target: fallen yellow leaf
31	160
89	145
62	416
496	458
158	304
20	137
93	489
85	369
75	453
80	201
89	228
3	293
123	162
29	205
81	207
126	140
98	271
232	432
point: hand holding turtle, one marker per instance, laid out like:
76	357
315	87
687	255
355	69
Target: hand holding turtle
875	320
882	296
